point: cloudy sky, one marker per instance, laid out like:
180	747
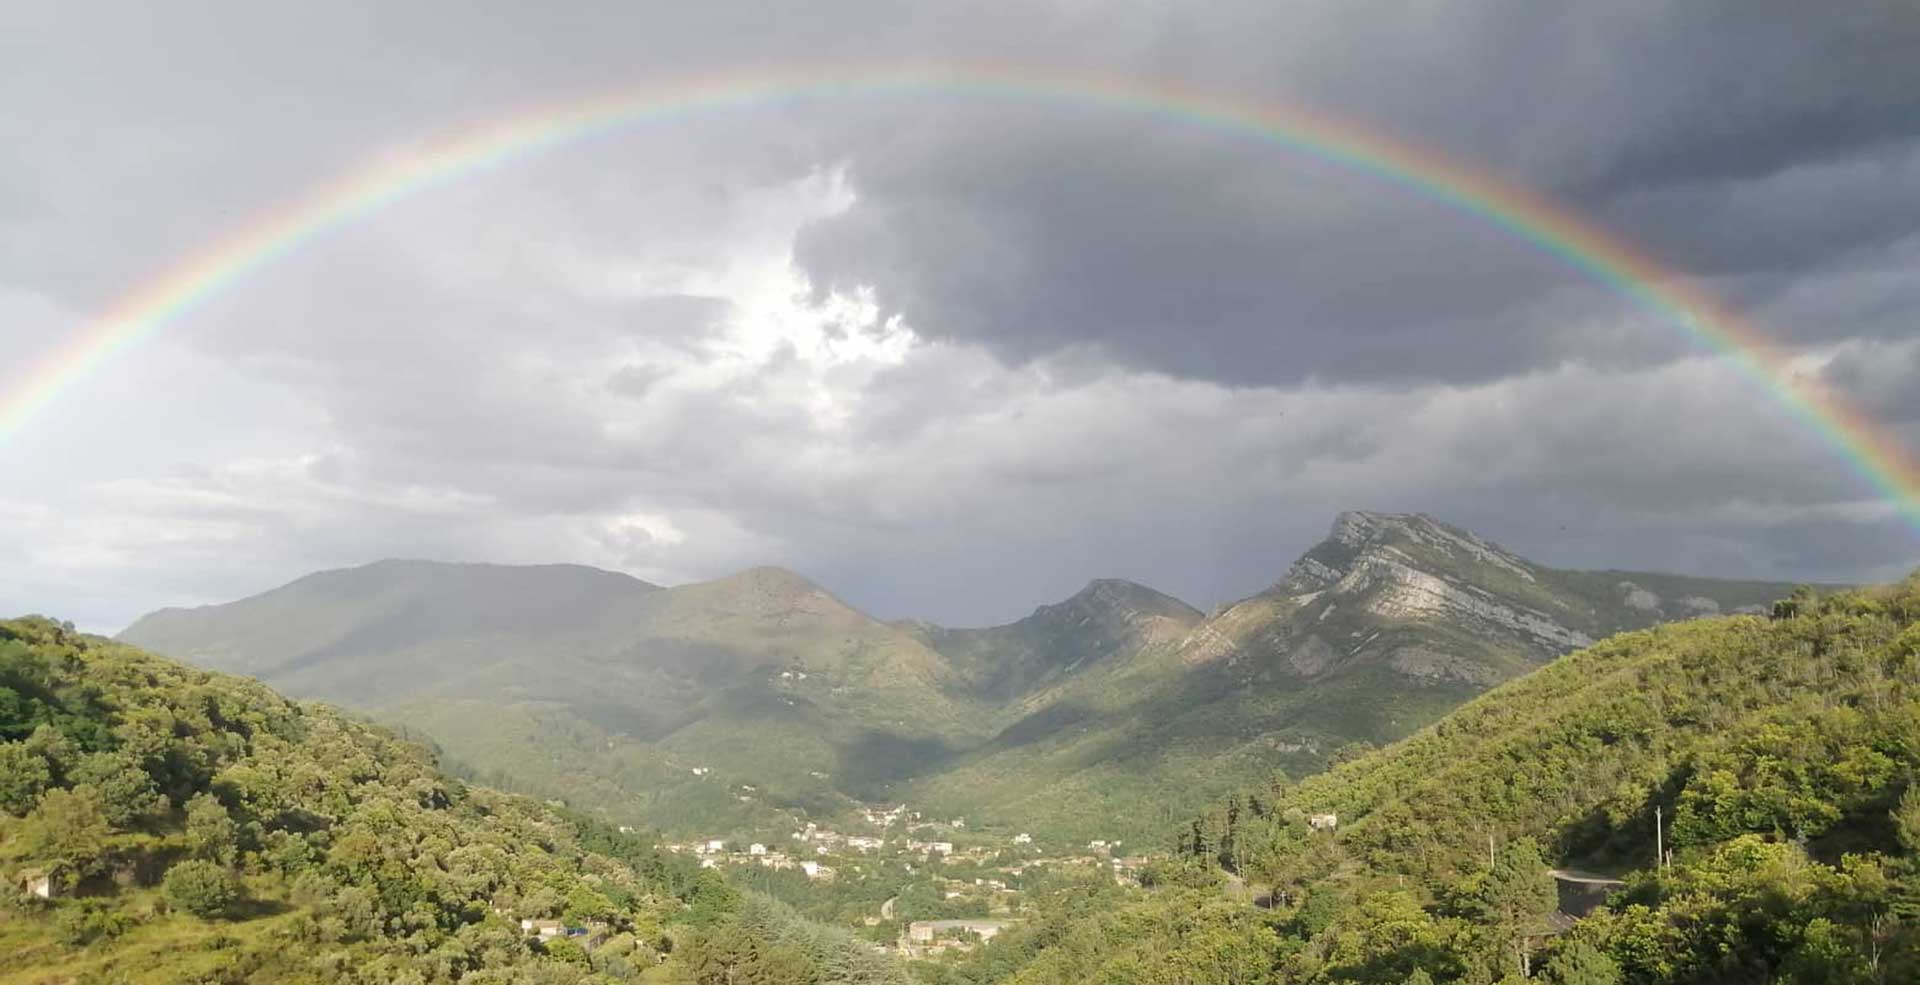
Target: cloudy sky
950	355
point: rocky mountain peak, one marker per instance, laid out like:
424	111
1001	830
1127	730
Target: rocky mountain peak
1362	540
1127	600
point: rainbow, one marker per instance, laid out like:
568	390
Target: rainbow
1881	459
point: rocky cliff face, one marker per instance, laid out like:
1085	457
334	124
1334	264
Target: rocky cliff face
1437	603
1430	600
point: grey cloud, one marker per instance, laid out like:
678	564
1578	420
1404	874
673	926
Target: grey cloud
1883	378
1143	350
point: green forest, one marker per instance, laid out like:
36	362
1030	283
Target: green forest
1778	753
196	827
1744	786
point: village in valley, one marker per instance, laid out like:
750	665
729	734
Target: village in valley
917	887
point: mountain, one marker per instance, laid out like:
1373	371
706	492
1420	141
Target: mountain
174	825
1389	623
597	687
728	705
1777	755
1110	619
361	634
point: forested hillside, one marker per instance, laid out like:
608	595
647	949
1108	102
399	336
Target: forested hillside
1388	624
165	824
607	691
1780	752
734	705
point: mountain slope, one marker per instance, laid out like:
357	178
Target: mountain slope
642	699
1389	623
191	826
1109	619
719	706
359	634
1780	752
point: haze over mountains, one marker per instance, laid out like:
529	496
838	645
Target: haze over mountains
712	704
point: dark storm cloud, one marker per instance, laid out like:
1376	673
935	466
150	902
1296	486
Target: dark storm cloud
1137	349
1751	89
1740	142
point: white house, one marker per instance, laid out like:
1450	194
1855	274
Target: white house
1023	838
940	847
716	845
756	849
546	930
1323	822
39	884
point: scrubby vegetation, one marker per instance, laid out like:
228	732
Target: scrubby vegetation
193	827
1780	754
196	827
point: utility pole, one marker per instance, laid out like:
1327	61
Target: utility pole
1659	842
1490	859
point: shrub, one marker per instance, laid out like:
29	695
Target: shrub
84	923
200	887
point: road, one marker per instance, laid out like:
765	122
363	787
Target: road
1585	878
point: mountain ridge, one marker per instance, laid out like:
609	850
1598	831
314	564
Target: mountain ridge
1114	698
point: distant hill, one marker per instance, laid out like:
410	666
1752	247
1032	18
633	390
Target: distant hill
361	634
1390	622
722	705
1110	619
601	688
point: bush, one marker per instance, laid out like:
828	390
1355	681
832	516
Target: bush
84	923
200	887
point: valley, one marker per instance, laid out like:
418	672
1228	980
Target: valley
1511	839
751	704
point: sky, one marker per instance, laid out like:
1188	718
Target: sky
950	356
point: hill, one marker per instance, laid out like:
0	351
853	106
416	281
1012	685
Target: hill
164	824
1110	619
1779	754
729	706
1392	621
600	688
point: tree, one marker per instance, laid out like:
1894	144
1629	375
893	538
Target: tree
1228	857
568	950
23	775
1578	962
724	955
1350	751
69	828
200	887
1518	893
1906	819
54	746
126	791
211	833
1198	842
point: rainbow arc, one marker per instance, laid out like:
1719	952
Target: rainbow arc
1877	456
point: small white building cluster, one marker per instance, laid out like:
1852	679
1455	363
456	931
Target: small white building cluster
886	818
926	938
